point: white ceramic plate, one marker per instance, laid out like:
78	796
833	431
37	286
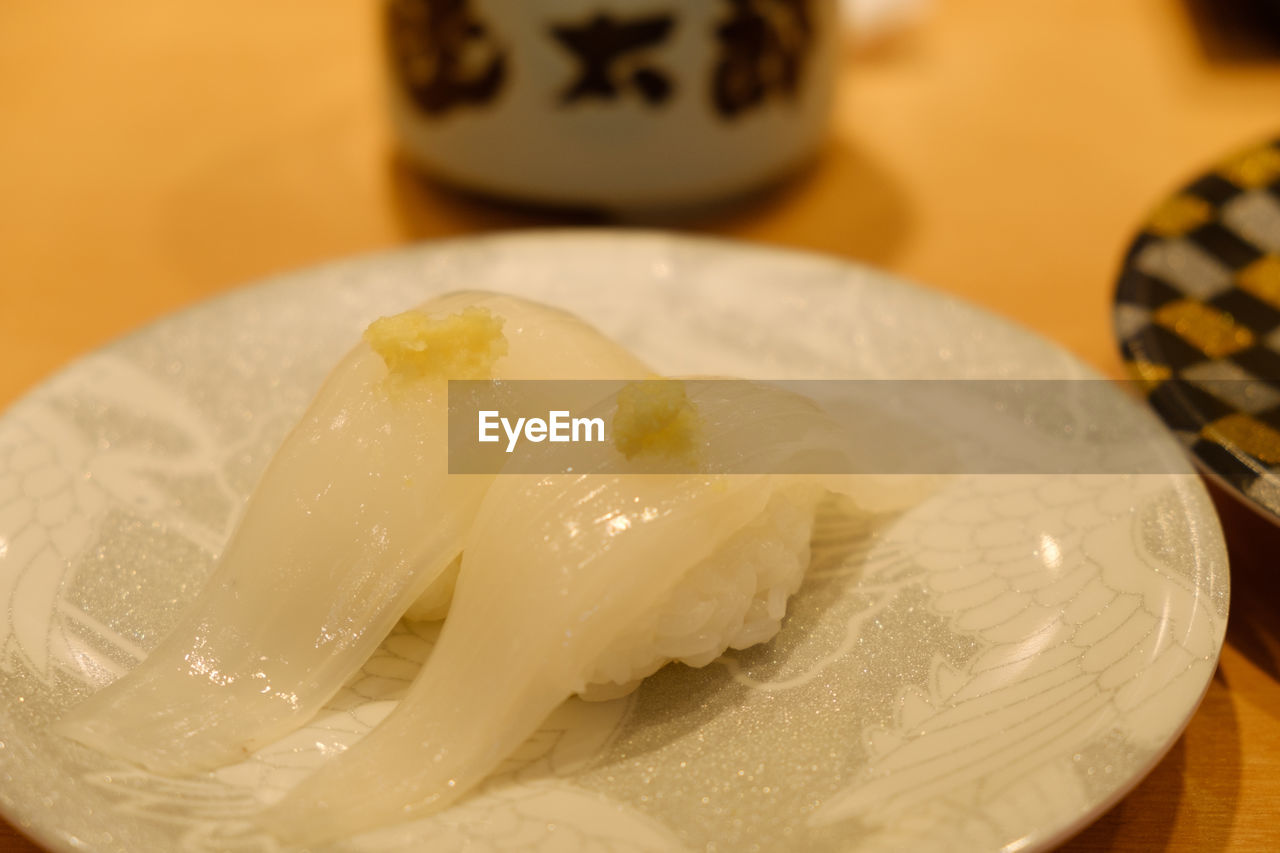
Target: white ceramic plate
990	670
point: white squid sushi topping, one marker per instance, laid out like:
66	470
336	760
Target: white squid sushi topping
355	518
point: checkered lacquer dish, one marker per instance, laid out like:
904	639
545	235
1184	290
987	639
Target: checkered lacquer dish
1197	313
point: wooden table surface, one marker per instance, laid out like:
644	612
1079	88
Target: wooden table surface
155	154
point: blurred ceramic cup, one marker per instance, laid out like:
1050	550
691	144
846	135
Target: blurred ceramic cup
624	105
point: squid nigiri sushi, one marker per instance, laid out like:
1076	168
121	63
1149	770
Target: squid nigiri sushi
573	583
354	520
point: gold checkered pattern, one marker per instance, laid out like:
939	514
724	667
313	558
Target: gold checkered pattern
1254	168
1149	373
1179	215
1262	279
1205	346
1215	333
1246	433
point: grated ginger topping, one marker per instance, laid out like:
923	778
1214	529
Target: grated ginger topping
415	345
655	418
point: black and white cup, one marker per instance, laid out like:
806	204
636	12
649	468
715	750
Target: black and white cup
616	104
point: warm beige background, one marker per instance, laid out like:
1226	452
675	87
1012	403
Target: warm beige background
153	154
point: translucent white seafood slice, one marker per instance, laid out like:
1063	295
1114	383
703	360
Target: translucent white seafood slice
354	519
558	570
